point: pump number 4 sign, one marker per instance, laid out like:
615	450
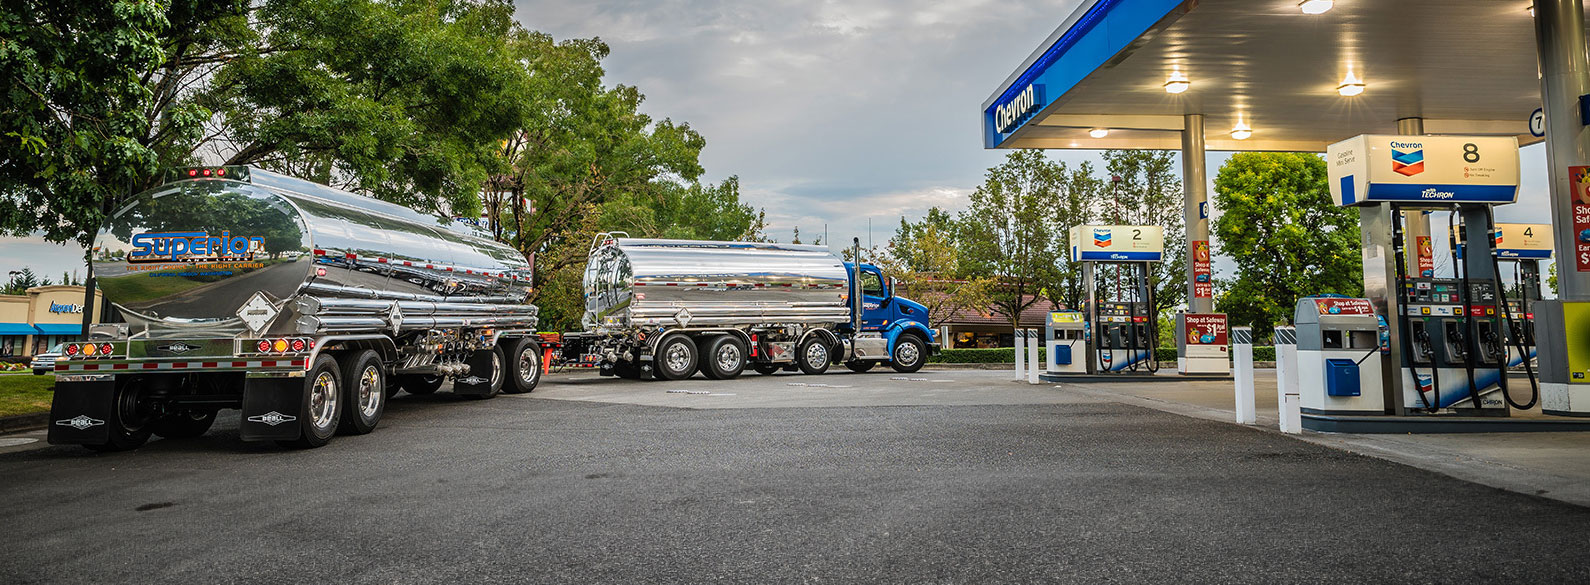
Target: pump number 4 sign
1579	178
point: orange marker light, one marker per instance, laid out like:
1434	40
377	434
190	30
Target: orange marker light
281	345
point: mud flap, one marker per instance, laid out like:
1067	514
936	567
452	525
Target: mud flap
271	407
478	382
79	413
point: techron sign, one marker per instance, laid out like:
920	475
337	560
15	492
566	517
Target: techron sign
1007	115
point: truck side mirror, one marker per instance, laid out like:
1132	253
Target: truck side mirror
890	291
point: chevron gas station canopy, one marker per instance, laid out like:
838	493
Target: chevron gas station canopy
1270	75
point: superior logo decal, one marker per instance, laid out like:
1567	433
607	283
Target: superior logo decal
1407	158
193	247
1013	111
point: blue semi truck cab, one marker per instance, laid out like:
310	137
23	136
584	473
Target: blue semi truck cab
901	324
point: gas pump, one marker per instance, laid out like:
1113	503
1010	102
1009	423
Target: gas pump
1123	327
1523	246
1449	335
1064	333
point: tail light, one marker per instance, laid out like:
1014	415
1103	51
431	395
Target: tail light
298	345
105	349
71	349
264	346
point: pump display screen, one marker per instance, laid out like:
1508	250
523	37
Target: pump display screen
1122	313
1443	297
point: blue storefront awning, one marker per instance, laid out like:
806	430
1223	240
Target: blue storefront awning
17	329
59	328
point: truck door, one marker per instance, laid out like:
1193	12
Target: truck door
874	299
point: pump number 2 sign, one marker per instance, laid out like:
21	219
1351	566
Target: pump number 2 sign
1579	178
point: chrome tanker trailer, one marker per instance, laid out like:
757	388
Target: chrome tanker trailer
304	306
668	308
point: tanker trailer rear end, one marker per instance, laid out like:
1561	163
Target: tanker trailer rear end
304	306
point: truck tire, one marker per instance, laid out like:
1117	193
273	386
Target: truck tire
489	366
184	425
130	420
321	408
676	358
420	384
524	366
766	369
813	355
860	366
363	394
722	357
909	354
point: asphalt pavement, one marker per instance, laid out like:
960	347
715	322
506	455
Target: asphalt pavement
869	479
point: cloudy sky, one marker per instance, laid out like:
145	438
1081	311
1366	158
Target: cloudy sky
830	112
838	112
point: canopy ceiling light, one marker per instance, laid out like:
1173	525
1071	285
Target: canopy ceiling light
1099	132
1350	86
1316	6
1241	131
1177	83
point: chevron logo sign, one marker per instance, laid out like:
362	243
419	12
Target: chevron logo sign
1101	238
1408	162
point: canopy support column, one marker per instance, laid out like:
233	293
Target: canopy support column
1564	76
1194	183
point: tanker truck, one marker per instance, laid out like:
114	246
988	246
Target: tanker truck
665	309
303	306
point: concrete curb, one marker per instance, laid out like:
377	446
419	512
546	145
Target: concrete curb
24	422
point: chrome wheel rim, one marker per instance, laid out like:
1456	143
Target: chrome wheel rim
529	365
678	357
907	354
323	400
728	357
370	393
496	369
816	353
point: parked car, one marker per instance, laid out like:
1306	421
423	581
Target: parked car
45	362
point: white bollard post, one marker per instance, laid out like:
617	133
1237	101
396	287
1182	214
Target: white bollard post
1033	339
1293	416
1242	345
1020	338
1285	374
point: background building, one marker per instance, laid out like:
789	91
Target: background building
32	323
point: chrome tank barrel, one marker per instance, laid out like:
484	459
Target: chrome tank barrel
632	282
189	255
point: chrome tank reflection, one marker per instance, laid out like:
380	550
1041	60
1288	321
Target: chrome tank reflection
189	254
632	282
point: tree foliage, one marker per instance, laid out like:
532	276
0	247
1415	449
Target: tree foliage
1286	236
72	122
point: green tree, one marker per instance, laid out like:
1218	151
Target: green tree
1149	192
581	146
404	100
22	280
1286	236
924	257
1077	204
74	108
1008	234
